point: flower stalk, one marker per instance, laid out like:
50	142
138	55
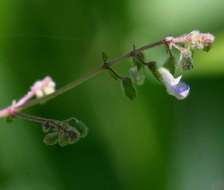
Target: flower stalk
45	90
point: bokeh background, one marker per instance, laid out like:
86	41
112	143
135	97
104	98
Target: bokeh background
154	142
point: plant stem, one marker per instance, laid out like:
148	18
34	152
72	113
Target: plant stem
89	76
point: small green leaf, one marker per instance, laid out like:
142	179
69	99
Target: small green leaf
105	57
68	136
73	135
79	125
112	75
51	138
128	87
46	127
83	129
137	75
139	60
63	139
170	64
207	48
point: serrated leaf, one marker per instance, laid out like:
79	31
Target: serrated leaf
137	76
128	88
51	138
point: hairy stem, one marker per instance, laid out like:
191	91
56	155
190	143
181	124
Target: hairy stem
90	75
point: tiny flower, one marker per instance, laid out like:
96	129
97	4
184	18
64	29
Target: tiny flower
43	87
174	86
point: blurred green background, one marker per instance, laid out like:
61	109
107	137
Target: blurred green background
154	142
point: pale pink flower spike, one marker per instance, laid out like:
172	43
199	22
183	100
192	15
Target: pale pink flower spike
39	89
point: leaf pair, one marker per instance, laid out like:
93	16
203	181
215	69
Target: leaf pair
64	132
136	75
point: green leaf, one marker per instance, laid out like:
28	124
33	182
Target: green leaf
46	127
105	57
83	129
63	139
128	87
139	60
73	135
170	64
51	138
79	125
68	136
112	75
137	75
207	48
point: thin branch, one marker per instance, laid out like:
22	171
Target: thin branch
88	76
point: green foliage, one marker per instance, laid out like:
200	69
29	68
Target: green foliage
128	88
79	125
64	132
207	48
138	59
104	57
68	136
170	64
137	75
113	75
51	138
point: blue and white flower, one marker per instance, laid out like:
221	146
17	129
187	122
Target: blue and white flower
174	86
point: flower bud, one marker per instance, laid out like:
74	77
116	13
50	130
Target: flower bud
44	87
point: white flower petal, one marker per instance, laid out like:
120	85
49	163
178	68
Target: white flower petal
43	87
174	86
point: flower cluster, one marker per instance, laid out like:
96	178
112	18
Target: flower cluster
193	40
185	45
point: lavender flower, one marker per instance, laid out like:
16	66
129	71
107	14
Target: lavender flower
174	86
